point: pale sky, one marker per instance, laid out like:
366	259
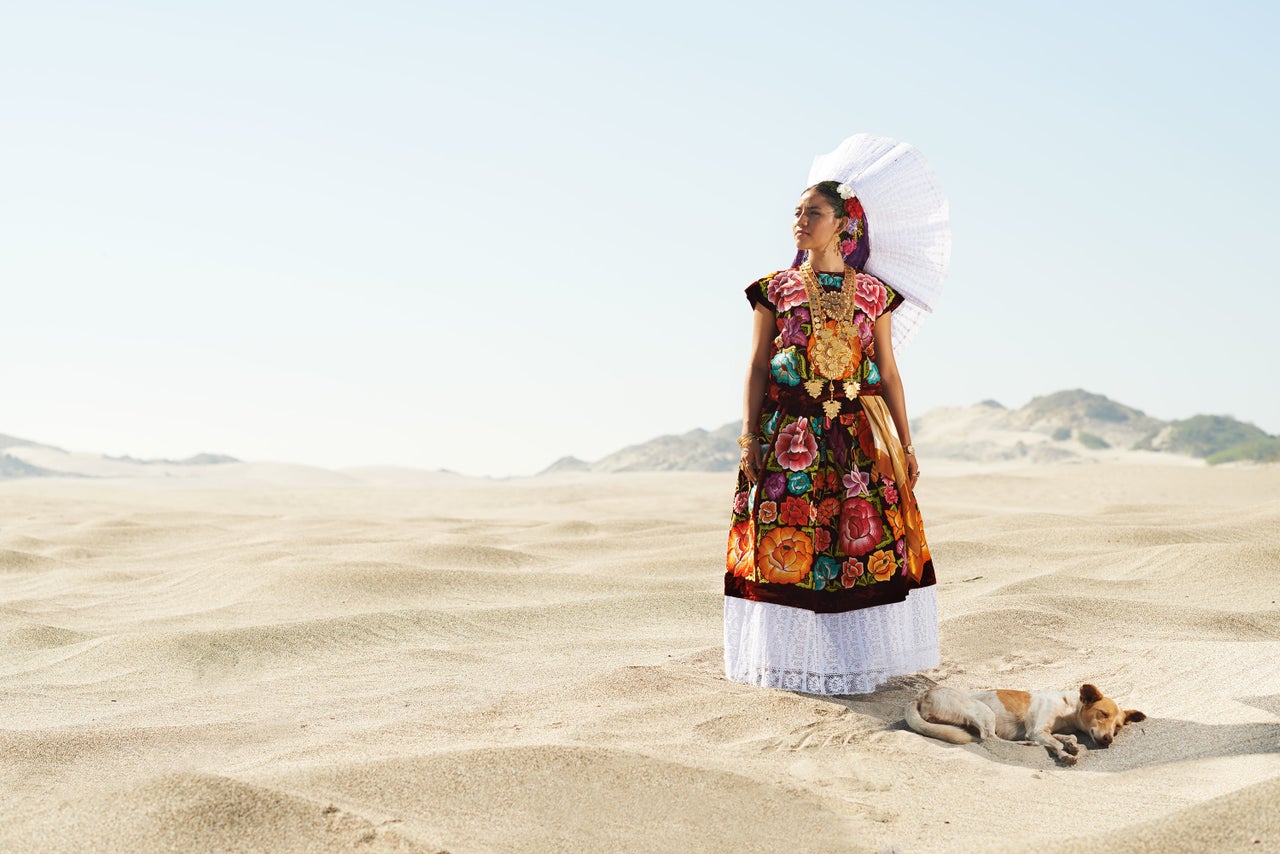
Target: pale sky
481	236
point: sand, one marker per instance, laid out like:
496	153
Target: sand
389	663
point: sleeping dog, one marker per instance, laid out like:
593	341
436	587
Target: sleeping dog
1040	717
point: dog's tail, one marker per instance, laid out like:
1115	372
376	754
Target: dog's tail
946	732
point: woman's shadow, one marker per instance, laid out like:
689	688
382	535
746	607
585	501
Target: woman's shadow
1155	741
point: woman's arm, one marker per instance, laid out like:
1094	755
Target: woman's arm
763	330
891	387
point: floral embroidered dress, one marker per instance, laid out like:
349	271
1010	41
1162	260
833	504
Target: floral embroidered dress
829	586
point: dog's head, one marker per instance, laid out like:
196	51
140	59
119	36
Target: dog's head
1101	717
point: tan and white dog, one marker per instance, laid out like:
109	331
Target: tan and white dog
1048	718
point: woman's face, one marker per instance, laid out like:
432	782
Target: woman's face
816	221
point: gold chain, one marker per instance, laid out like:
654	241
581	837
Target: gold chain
832	349
838	305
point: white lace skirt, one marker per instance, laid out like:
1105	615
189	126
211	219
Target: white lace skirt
848	653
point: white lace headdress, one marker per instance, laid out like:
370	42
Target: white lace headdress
908	221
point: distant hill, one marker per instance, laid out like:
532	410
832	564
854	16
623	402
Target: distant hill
197	460
15	442
13	466
697	450
1067	425
25	458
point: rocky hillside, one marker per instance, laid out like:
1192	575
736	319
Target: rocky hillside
697	450
1065	425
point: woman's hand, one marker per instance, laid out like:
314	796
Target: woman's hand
913	469
750	462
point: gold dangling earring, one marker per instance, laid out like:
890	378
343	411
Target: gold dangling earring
835	244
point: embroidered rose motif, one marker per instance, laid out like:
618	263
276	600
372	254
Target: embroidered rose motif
786	554
860	527
850	572
792	331
795	447
740	551
786	290
821	539
825	570
786	366
870	295
795	511
863	325
775	483
866	440
826	480
740	502
882	565
890	491
827	510
768	512
798	483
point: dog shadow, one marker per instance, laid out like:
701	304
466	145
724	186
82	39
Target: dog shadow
1154	741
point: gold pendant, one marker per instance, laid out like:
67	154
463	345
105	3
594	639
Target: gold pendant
851	389
831	407
814	387
832	353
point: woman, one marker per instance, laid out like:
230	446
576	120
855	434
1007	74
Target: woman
829	587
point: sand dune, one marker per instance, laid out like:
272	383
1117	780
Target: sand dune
403	662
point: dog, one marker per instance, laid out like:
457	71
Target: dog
1048	718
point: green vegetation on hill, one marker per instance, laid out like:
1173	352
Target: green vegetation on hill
1092	442
1206	435
1266	450
1082	404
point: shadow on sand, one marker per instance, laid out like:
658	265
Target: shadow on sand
1155	741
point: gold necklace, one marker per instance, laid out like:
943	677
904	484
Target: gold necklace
835	350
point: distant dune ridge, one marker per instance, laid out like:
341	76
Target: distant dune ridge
1065	426
25	458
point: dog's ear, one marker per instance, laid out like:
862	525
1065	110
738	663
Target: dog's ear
1132	716
1090	693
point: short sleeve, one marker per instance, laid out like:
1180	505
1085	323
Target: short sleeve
895	299
756	294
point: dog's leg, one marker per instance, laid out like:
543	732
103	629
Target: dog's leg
1047	739
1069	743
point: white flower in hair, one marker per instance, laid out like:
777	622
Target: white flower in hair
846	191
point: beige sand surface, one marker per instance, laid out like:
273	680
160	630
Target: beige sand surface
387	664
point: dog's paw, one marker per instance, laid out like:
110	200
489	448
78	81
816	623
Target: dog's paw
1067	758
1070	745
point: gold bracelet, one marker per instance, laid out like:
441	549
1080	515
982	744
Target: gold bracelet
746	440
910	449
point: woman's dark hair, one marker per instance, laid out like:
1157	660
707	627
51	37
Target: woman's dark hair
830	190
